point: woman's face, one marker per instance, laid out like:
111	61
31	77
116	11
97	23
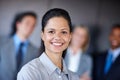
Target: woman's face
56	35
79	37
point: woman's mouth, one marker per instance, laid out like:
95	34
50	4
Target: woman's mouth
57	43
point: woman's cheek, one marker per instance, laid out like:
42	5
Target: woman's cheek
48	37
67	39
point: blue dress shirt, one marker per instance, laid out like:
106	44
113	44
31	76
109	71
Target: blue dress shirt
17	42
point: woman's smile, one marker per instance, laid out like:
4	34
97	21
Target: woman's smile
56	35
57	43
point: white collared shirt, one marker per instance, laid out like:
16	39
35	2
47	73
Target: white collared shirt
115	52
74	60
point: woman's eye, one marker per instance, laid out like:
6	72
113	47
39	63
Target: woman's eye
64	32
51	32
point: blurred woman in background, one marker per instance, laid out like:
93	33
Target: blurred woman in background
75	56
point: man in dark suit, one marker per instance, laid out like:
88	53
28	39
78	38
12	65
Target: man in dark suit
17	50
107	64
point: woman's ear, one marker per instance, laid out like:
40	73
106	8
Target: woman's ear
42	35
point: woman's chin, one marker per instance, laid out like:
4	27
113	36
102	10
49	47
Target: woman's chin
57	51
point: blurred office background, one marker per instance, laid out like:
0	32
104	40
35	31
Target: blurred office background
98	15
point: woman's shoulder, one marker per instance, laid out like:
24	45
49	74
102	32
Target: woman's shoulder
85	55
31	66
30	70
87	58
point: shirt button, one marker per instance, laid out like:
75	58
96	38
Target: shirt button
59	76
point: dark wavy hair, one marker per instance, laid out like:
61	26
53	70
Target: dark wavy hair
18	18
56	12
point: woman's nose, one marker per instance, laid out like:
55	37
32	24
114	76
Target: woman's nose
57	36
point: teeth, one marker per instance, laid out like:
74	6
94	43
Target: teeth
57	44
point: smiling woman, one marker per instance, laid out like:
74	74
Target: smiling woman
56	35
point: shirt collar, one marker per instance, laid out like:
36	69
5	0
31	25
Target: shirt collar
50	66
116	52
18	41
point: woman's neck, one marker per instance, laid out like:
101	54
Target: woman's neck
56	58
74	49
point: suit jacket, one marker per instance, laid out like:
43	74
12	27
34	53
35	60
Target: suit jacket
8	59
99	64
3	40
85	64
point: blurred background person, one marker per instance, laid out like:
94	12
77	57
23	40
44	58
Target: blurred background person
107	64
75	56
17	49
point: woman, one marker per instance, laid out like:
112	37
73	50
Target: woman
56	35
75	58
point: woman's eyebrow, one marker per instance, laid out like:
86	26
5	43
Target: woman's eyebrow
50	29
64	29
59	29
